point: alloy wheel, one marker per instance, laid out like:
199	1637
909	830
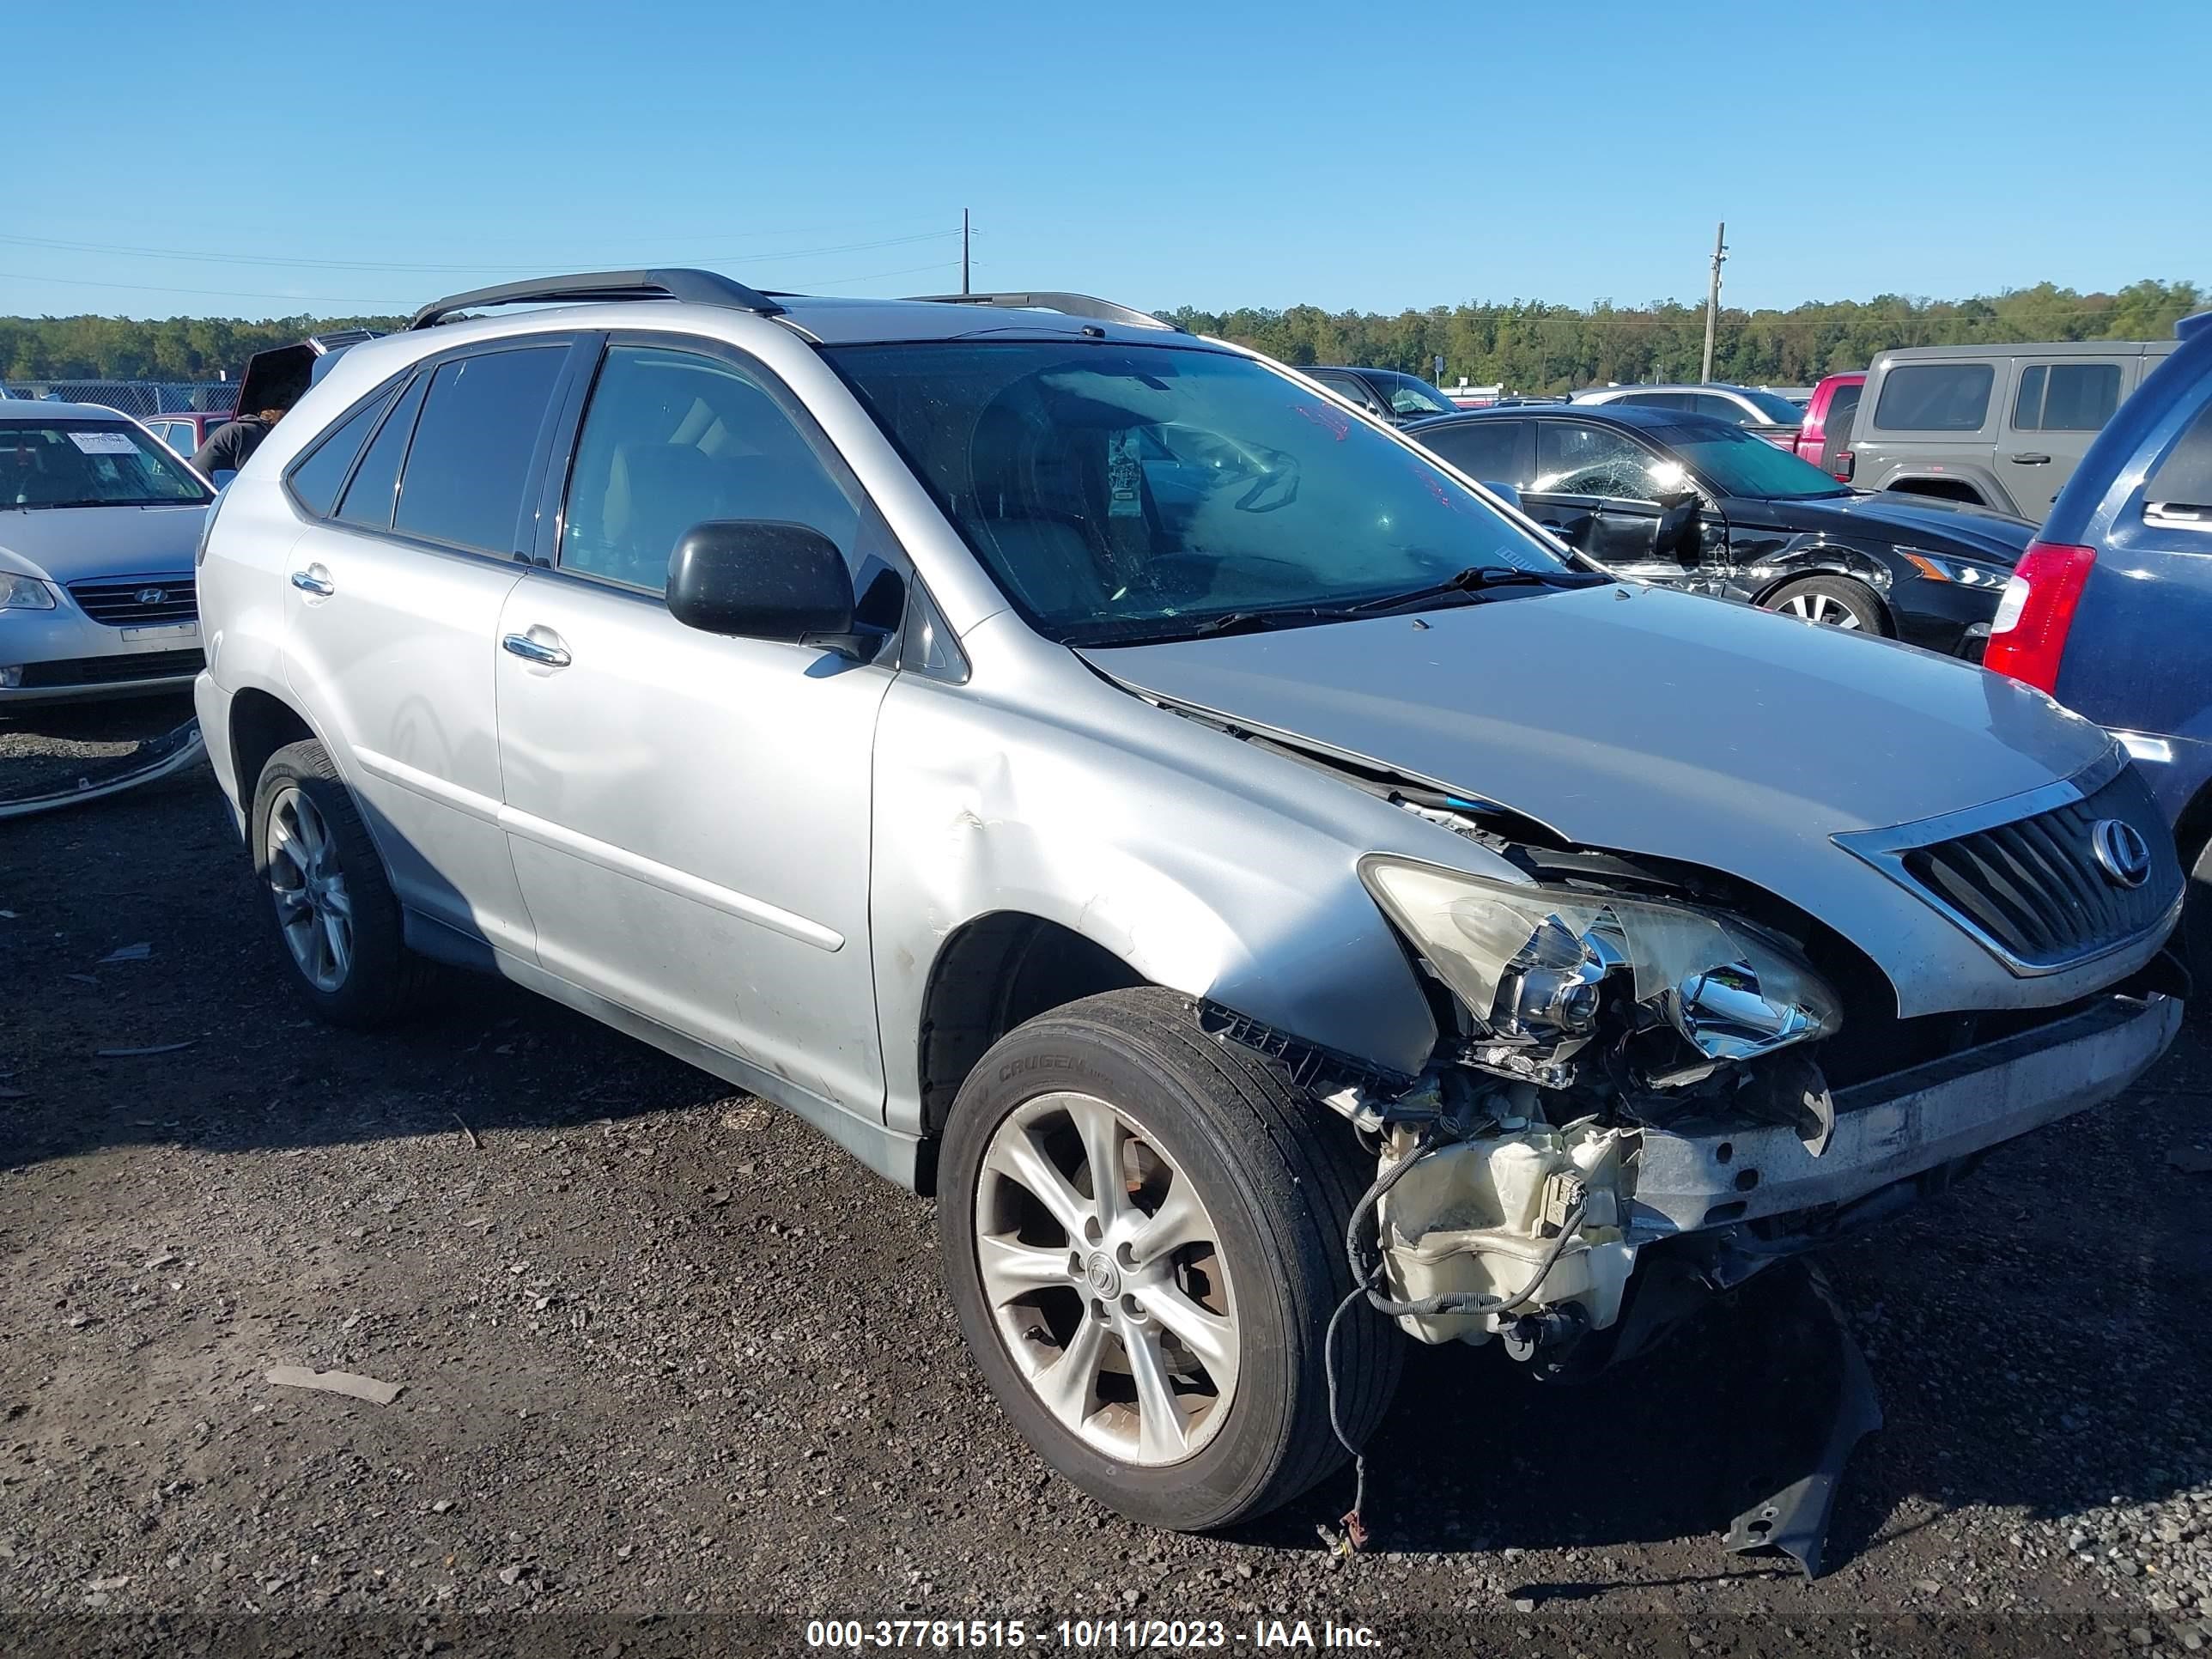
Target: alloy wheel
1105	1278
1823	608
315	912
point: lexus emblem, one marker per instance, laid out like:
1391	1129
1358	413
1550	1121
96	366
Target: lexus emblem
2122	852
152	596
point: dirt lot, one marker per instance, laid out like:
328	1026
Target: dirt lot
677	1375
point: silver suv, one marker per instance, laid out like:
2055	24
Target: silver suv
1994	426
1246	871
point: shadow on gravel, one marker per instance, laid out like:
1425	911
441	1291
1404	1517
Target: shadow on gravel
2037	1336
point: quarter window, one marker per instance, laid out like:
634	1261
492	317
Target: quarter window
673	439
316	480
468	470
2183	478
1574	459
368	498
1935	398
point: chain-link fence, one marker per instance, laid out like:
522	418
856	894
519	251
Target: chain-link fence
138	398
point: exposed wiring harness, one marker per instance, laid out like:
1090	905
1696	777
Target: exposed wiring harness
1367	1268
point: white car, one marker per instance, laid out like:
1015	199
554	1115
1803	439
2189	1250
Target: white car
98	523
1766	414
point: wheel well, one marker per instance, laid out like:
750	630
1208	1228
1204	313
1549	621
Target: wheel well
260	725
1833	574
992	974
1947	489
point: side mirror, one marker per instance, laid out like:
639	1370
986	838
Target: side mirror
1509	494
1680	526
760	579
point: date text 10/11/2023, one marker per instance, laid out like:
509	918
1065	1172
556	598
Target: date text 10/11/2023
1087	1634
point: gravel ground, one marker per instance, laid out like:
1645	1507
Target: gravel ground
677	1377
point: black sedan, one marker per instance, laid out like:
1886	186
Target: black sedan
1696	503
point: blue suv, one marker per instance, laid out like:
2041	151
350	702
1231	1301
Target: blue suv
2110	610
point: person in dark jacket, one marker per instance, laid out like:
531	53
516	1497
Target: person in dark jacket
229	444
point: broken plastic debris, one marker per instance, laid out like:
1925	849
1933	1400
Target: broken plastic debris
137	952
346	1382
134	1053
2190	1160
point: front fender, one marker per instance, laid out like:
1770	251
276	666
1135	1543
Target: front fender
1789	557
1207	866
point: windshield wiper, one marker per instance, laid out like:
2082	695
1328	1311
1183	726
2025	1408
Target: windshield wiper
1480	578
1226	622
1255	622
41	506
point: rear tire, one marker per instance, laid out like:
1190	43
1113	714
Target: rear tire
331	907
1262	1182
1831	601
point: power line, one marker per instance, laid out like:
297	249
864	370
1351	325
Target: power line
204	293
395	305
131	252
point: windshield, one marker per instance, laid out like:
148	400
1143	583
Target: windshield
89	463
1118	492
1410	396
1777	408
1738	463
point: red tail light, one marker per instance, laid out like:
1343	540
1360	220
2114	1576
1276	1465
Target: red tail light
1845	463
2028	635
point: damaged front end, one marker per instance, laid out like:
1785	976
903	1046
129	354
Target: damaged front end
1583	1017
1628	1063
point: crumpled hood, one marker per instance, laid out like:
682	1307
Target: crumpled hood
1648	722
74	543
1952	527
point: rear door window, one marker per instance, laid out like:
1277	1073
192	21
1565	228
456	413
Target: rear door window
2066	396
1720	408
1489	451
1935	398
469	469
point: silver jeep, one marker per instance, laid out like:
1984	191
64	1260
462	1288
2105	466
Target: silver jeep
1268	890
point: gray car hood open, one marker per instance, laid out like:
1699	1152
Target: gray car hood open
76	544
1650	721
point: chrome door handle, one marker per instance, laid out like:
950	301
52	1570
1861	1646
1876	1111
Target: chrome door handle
2033	460
315	580
537	651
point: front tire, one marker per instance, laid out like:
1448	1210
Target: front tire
336	918
1830	601
1156	1336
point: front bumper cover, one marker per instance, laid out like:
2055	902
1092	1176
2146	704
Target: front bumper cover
1889	1129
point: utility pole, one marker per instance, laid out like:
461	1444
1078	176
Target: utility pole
1713	296
963	271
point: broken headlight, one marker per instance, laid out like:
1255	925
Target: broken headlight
1535	965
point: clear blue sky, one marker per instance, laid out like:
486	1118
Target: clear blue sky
370	155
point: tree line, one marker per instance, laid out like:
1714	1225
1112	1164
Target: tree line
1527	345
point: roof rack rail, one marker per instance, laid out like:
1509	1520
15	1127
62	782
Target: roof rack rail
704	287
1071	304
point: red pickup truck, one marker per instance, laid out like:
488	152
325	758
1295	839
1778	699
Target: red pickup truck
1826	434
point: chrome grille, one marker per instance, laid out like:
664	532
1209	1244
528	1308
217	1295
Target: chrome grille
2031	886
138	601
